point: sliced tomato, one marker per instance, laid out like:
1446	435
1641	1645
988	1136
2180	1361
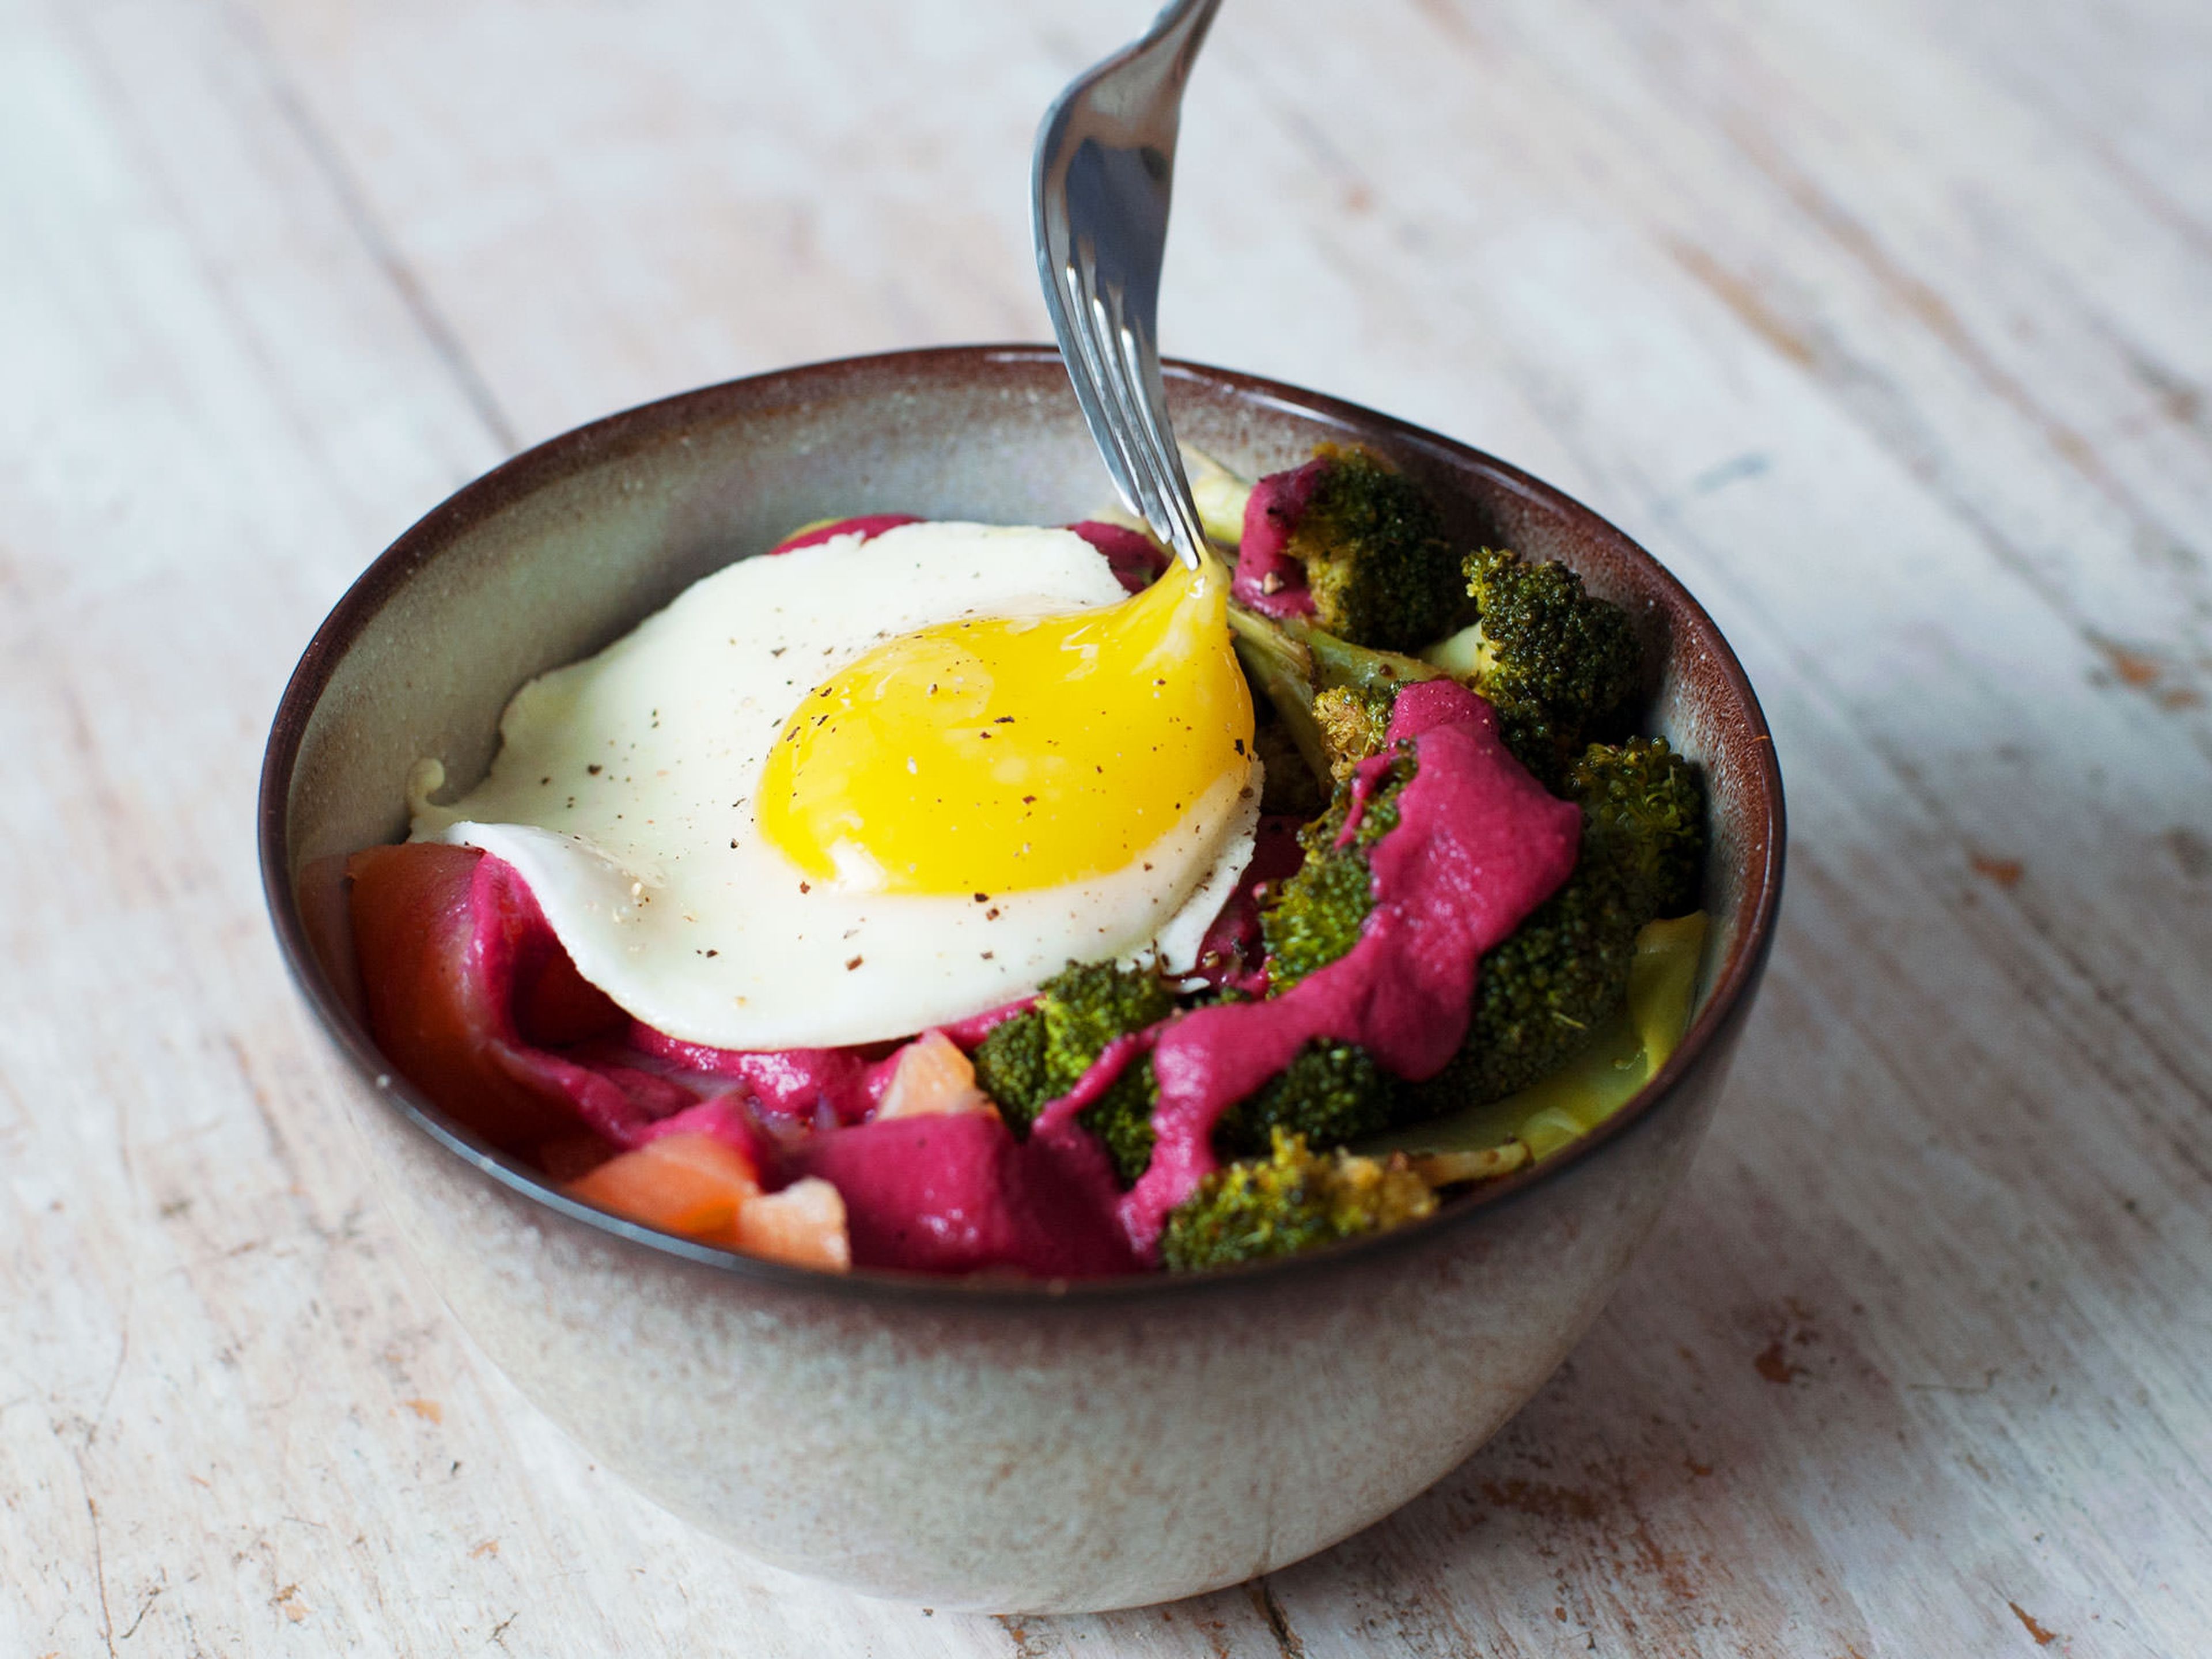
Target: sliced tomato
439	1022
450	947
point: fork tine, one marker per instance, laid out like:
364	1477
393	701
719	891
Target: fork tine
1106	344
1125	405
1163	459
1121	342
1121	421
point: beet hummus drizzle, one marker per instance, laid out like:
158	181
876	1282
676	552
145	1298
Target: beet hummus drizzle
1479	844
1270	579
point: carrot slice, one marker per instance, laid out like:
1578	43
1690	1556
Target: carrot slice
694	1185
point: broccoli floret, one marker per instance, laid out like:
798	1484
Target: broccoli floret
1556	662
1035	1058
1330	1092
1355	723
1330	1095
1539	995
1314	916
1010	1067
1376	562
1292	1199
1645	800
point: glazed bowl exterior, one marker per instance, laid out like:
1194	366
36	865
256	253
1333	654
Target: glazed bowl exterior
995	1445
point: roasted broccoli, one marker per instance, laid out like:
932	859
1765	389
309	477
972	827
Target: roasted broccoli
1557	663
1292	1199
1355	723
1036	1057
1642	799
1314	916
1331	1092
1558	666
1540	993
1376	562
1330	1095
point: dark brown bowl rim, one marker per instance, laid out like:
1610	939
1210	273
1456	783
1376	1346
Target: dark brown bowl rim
634	429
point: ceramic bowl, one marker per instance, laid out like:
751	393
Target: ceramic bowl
1002	1446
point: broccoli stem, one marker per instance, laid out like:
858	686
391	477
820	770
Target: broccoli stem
1292	662
1282	668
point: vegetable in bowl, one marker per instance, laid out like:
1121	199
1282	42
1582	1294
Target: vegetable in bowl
1447	912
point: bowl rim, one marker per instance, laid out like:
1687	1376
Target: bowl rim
630	430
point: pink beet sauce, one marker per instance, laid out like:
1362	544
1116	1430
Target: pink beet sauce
808	1084
866	525
955	1194
511	948
1136	559
840	1086
1268	579
1479	845
1231	955
958	1193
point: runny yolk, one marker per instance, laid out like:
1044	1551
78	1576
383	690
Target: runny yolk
993	755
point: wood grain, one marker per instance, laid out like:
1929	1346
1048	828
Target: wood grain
1887	326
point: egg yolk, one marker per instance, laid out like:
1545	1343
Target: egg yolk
994	754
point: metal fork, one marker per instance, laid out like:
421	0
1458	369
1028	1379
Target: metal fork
1105	164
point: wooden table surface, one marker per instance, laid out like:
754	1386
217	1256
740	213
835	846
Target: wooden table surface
1887	326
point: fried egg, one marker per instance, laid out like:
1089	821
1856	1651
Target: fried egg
871	785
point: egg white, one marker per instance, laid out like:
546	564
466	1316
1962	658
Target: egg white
623	793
